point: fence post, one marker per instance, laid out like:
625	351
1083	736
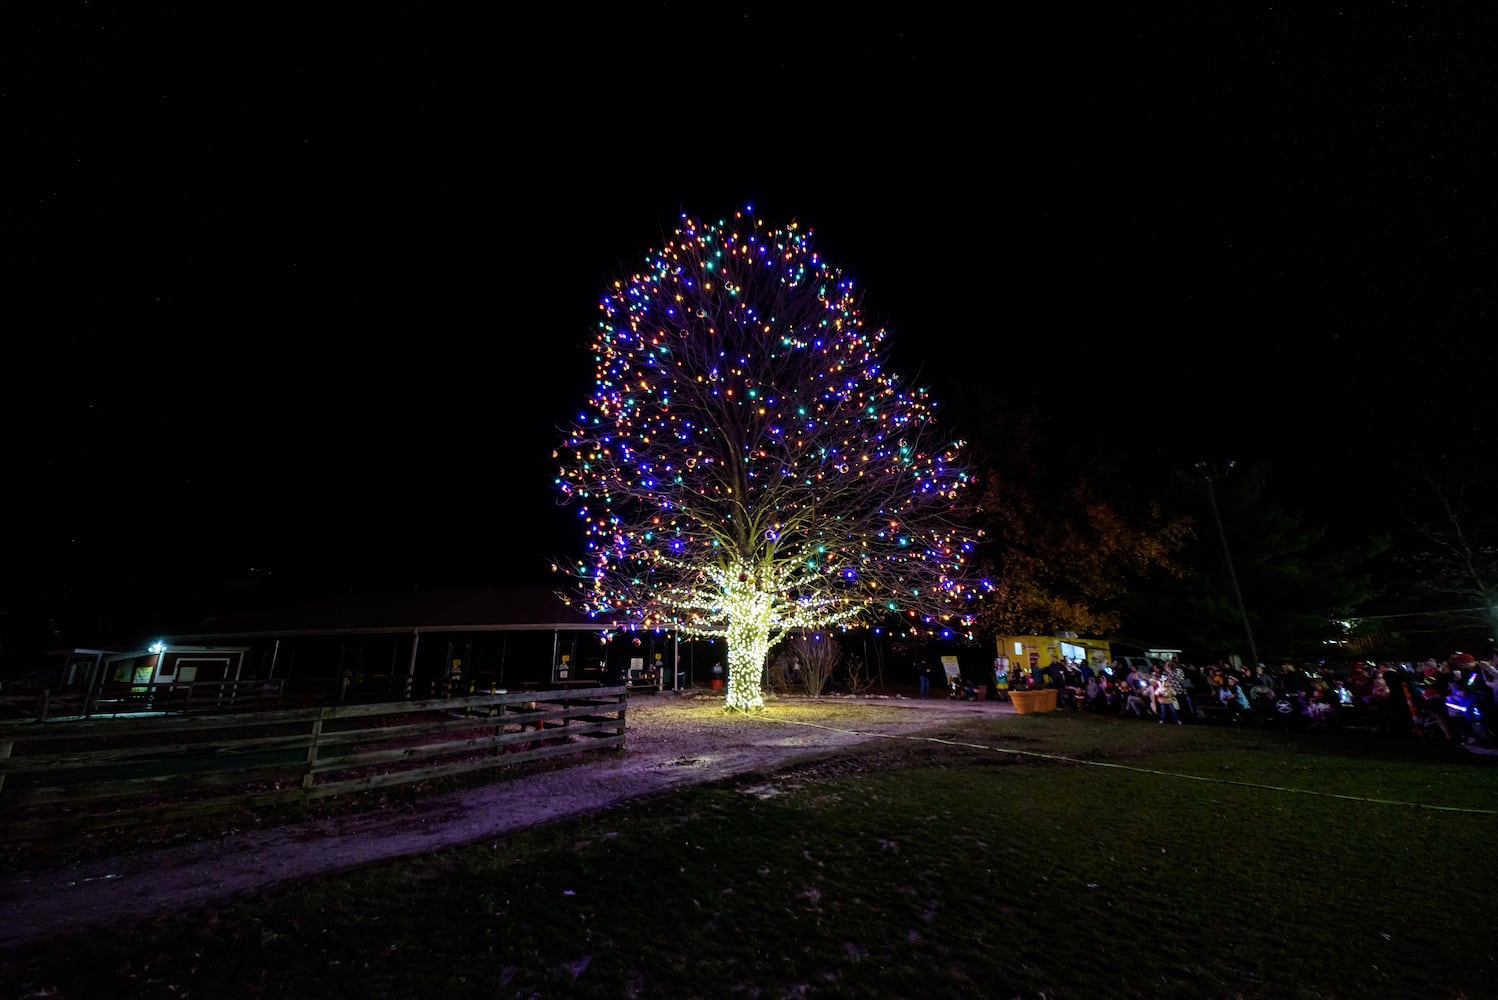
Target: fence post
5	746
312	748
46	703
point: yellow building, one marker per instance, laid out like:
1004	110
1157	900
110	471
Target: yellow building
1020	652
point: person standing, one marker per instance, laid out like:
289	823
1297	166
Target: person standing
1400	717
923	674
1433	699
1137	695
1055	675
1180	687
1163	693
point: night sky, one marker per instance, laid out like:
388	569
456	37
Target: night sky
297	305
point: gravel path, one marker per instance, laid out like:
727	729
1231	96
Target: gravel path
671	742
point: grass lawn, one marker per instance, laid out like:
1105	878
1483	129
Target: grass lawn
1047	856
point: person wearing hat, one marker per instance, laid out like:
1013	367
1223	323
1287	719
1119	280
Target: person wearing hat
1234	698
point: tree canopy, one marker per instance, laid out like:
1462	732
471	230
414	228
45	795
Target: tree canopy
1449	567
748	467
1295	581
1067	541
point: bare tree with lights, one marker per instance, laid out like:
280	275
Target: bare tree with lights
747	468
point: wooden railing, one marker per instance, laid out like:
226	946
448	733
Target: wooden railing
132	699
104	773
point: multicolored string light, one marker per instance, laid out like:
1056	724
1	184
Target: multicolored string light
747	467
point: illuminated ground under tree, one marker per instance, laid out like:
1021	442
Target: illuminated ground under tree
747	467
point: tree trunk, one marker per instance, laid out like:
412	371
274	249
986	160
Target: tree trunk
748	646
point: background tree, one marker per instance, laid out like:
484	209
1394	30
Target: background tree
1296	582
810	661
1067	536
747	466
1450	566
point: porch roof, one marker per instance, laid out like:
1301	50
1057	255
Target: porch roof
471	610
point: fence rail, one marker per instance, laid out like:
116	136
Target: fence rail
162	697
77	774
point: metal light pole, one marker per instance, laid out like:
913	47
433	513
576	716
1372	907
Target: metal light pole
1228	556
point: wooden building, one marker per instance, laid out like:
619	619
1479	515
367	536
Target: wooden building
436	643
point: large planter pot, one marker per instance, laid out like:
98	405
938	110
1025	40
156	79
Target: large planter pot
1034	700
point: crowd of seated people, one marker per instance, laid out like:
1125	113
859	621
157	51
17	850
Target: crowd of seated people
1452	700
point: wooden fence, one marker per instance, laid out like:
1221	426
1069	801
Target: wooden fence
162	697
74	775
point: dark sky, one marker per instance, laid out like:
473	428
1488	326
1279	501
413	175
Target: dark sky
296	304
